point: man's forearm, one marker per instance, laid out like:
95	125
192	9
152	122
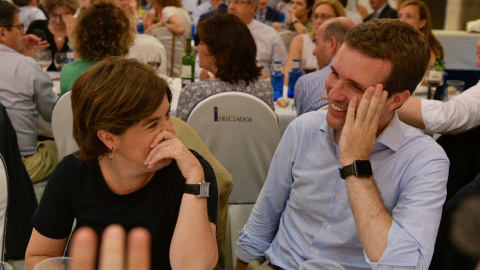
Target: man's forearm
372	219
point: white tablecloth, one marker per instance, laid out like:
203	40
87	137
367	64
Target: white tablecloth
460	48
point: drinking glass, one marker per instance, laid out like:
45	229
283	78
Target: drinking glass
320	264
54	263
60	60
5	266
44	58
434	79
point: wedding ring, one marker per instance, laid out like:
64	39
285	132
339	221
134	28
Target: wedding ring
359	116
168	147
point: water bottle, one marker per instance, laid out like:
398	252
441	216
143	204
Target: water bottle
276	78
140	26
293	76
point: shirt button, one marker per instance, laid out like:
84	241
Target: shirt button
329	227
337	197
316	252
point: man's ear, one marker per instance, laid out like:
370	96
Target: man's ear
107	138
334	45
398	99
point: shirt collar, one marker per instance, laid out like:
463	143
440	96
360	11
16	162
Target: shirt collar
379	11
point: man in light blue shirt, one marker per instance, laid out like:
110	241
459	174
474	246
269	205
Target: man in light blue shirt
310	88
379	216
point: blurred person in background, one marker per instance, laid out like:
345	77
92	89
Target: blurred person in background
300	13
57	29
381	10
416	13
101	30
231	60
268	15
303	45
29	11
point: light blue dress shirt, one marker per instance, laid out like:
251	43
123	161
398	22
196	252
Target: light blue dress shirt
25	91
309	89
303	211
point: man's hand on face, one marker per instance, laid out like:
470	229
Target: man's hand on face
359	132
31	41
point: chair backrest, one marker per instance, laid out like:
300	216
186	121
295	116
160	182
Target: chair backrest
3	205
242	132
62	126
174	48
145	46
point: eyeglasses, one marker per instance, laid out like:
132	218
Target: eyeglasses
20	27
322	16
235	2
54	16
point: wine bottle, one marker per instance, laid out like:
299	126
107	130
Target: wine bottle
188	65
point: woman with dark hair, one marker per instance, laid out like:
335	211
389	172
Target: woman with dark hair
102	30
226	50
131	170
299	16
416	14
57	28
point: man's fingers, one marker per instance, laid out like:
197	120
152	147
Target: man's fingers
139	242
112	250
83	249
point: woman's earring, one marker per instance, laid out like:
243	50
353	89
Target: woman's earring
111	154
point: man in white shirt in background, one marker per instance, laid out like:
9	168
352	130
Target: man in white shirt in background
270	47
25	91
29	11
204	8
310	87
459	114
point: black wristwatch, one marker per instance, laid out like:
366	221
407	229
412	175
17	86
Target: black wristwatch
201	189
360	168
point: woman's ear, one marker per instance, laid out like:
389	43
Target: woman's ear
107	138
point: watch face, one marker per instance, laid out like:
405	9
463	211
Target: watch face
363	168
204	189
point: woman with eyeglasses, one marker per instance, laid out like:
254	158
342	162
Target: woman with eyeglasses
303	45
57	28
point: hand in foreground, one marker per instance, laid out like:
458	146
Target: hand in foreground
359	132
166	147
113	254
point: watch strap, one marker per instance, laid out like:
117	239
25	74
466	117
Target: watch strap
201	189
347	171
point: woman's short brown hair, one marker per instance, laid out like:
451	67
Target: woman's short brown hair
71	6
102	30
232	45
113	95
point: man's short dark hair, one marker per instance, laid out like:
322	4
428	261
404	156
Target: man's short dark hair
7	14
402	45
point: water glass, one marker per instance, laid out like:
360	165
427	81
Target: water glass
54	263
44	58
5	266
60	60
454	87
320	264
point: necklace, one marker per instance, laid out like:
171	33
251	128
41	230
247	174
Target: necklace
59	39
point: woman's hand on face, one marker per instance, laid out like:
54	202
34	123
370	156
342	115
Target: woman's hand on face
69	24
165	147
